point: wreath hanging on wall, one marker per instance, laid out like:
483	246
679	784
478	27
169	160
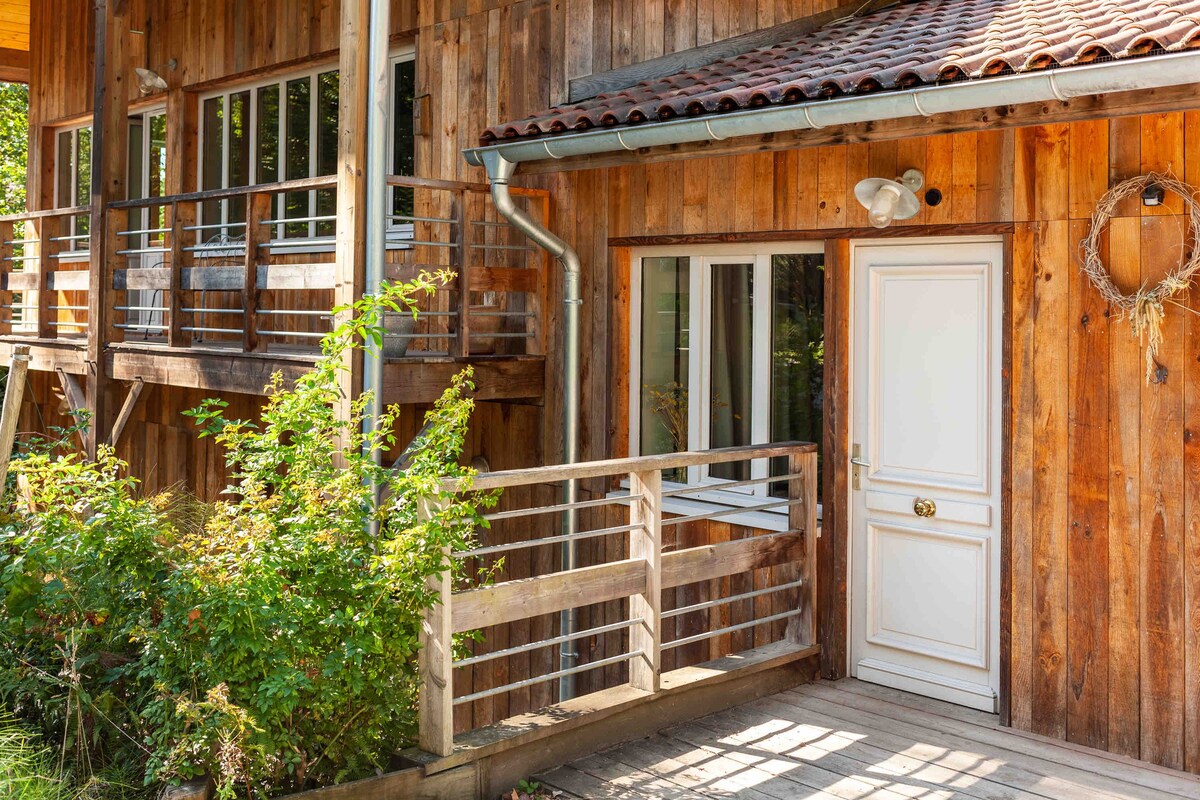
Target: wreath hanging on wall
1145	307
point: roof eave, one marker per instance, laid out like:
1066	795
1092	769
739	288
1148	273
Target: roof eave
1151	72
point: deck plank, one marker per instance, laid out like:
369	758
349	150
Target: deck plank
856	741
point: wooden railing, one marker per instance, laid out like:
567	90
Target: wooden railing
252	269
44	273
758	587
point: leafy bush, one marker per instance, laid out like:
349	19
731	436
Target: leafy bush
268	640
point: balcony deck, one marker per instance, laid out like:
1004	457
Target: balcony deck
850	739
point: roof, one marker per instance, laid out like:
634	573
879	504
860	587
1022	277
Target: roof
901	47
14	24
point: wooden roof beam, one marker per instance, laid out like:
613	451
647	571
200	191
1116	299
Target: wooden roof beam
14	65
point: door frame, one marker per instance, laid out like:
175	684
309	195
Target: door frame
834	551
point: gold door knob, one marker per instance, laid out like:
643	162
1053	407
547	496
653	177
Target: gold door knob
924	507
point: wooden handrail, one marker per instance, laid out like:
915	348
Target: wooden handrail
298	185
48	212
642	577
616	466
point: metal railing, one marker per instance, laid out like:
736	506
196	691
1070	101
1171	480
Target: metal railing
689	590
253	269
41	294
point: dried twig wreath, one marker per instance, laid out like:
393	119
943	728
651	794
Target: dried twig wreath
1144	308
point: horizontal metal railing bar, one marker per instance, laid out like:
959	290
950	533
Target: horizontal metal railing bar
79	254
22	258
728	512
422	243
140	308
291	220
420	335
20	241
549	676
409	218
489	223
720	487
299	242
213	310
298	185
558	507
700	637
67	308
213	226
623	466
299	312
197	329
562	537
140	326
136	232
733	598
422	314
301	334
70	237
19	305
135	251
539	644
65	324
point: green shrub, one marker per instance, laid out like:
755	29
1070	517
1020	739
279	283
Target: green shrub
268	640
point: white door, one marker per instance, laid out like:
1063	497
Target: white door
925	493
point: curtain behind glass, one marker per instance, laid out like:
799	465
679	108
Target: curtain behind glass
731	380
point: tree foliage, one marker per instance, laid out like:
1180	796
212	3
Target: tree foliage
14	145
268	640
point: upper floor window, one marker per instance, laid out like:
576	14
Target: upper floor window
73	179
727	350
287	129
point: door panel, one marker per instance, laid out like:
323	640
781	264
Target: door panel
925	513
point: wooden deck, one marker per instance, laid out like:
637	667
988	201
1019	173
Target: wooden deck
851	741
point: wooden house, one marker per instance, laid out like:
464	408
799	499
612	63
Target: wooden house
1009	493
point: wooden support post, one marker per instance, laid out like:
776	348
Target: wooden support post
135	391
14	393
48	229
803	629
7	250
461	263
258	208
350	247
183	215
646	609
435	661
110	150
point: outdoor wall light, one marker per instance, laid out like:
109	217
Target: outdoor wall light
1153	195
150	81
888	200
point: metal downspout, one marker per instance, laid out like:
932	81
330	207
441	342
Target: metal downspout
376	211
499	171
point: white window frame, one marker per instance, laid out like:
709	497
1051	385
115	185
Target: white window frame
397	232
701	260
146	298
312	243
71	251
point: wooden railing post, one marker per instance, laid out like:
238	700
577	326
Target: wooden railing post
183	216
802	629
461	256
646	609
258	208
48	229
7	250
435	662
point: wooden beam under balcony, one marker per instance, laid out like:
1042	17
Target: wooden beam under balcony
422	380
48	355
199	368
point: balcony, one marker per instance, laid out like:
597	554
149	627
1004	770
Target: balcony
220	289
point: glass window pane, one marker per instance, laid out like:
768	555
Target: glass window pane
730	379
327	145
268	134
83	181
158	166
64	169
133	184
797	353
296	160
213	124
403	147
664	358
239	153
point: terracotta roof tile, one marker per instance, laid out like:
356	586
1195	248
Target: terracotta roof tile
906	45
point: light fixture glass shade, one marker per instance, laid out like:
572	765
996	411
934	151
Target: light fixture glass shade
883	207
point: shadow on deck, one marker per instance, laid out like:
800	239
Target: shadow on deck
850	739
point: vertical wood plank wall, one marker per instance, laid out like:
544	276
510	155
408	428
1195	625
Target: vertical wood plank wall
1105	468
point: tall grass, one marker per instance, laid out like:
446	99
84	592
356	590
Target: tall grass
29	771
